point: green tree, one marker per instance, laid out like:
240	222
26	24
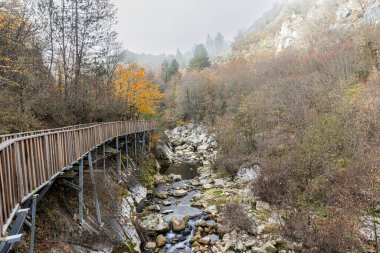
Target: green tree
220	44
168	70
200	58
164	71
173	68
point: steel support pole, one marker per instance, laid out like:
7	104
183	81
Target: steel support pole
80	193
149	139
104	157
136	147
33	225
97	207
14	235
126	151
118	161
143	144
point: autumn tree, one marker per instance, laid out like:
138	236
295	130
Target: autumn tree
141	97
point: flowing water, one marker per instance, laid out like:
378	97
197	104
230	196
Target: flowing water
181	207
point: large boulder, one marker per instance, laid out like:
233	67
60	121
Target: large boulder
178	224
247	174
153	223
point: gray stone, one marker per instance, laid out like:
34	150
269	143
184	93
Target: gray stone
153	223
175	177
246	175
179	193
178	224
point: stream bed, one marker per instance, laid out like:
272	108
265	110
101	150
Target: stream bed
179	207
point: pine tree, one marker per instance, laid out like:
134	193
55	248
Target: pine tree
220	44
200	58
164	71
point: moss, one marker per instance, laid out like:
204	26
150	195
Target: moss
215	192
150	169
270	229
354	91
128	246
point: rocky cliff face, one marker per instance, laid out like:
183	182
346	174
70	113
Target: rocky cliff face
297	23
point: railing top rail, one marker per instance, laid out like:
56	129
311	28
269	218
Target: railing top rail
21	135
47	130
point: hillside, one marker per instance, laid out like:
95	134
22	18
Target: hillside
301	24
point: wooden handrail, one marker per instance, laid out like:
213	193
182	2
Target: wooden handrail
6	137
31	160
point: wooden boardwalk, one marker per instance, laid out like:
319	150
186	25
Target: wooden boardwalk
29	161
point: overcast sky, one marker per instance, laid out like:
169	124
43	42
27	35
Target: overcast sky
162	26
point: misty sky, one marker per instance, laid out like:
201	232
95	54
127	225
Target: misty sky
162	26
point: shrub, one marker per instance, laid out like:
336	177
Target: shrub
235	217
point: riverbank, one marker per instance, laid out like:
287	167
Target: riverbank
211	212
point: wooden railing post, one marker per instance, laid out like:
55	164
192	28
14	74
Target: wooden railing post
19	174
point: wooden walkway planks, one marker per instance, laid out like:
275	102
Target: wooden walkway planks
28	161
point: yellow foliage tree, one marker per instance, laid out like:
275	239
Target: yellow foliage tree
141	95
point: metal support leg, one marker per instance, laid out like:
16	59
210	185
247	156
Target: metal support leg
149	137
14	235
104	156
136	147
97	207
33	224
118	161
80	193
126	151
144	144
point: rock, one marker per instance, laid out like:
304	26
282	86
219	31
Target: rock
162	195
161	240
262	206
138	193
179	193
197	204
250	242
219	183
196	197
268	247
166	203
175	177
211	210
207	186
245	175
203	147
160	179
205	240
178	224
167	211
153	223
154	208
258	250
367	228
150	245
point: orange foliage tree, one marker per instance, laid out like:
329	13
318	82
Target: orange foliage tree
141	96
